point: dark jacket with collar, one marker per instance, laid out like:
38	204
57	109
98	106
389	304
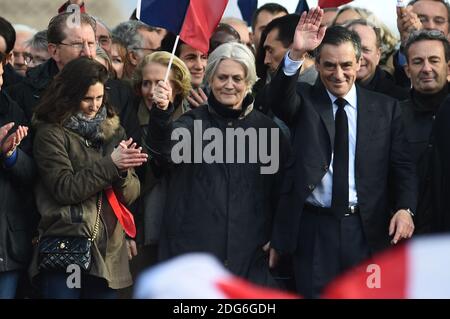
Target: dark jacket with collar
381	151
419	114
18	216
10	76
226	209
28	94
383	82
440	186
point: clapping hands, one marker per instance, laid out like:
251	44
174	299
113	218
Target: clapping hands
128	155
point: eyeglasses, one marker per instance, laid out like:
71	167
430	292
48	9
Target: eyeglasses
439	35
35	60
436	20
24	55
78	46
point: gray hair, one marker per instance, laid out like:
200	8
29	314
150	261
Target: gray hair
38	41
24	28
424	35
100	21
237	52
127	33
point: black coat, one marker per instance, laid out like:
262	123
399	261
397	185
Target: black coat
419	114
18	215
226	209
28	93
381	150
10	76
440	171
383	82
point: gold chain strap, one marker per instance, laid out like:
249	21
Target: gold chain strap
97	220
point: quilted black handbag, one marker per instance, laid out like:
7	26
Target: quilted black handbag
57	253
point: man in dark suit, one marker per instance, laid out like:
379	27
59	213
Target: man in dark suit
336	207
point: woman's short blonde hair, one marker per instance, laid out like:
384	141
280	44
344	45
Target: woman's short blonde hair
237	52
180	73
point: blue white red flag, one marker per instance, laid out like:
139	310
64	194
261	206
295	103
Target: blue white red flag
193	20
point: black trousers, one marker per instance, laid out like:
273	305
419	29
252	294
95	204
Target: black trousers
327	247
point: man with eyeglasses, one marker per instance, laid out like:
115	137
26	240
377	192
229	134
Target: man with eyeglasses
21	50
103	35
418	15
140	40
66	42
38	49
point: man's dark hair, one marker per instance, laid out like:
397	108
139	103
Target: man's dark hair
412	2
286	29
273	8
424	35
58	24
128	33
222	34
285	26
168	42
337	35
364	22
8	33
63	97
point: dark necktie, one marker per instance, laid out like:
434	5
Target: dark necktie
339	201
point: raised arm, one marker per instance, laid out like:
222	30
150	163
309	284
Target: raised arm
283	98
308	34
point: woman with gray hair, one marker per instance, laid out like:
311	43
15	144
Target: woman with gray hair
223	190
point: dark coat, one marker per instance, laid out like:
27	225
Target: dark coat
440	185
383	82
28	93
226	209
17	211
381	150
400	76
10	76
419	114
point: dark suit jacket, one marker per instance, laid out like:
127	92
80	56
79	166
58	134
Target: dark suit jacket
381	151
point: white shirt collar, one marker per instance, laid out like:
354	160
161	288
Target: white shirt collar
350	97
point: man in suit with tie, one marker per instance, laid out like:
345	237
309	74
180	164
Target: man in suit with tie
338	206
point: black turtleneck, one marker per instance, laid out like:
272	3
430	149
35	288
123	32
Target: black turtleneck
428	102
226	111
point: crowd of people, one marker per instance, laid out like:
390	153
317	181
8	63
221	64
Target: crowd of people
293	150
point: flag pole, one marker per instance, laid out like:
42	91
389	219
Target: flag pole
171	58
138	10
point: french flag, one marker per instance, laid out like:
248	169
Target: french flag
193	20
417	269
199	276
332	3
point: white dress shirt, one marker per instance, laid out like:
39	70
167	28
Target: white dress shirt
321	196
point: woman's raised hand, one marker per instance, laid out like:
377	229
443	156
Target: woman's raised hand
162	95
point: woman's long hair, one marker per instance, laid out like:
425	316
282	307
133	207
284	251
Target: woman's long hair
63	97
